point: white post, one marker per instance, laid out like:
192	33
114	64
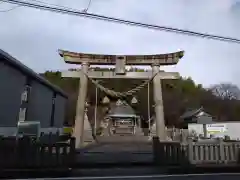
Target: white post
149	117
80	110
205	131
95	111
157	94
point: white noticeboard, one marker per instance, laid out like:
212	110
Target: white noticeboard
22	114
216	128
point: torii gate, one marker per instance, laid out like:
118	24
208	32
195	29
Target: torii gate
155	61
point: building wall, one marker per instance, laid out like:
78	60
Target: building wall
11	88
195	128
59	113
40	104
232	130
204	119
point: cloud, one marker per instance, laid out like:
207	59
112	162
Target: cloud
34	36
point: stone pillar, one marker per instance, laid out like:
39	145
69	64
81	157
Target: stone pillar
157	95
205	131
81	102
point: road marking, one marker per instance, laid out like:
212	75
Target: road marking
133	177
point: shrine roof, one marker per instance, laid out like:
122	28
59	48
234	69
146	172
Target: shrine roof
122	111
7	58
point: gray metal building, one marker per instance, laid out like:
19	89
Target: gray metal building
26	96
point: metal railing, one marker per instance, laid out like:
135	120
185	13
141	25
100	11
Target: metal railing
200	152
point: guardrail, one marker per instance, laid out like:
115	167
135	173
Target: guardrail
27	152
205	152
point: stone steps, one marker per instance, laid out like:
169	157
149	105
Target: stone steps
115	157
88	136
121	138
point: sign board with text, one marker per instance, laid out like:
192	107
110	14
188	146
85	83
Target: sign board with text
216	128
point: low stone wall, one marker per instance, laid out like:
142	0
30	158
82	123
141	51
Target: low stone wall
195	153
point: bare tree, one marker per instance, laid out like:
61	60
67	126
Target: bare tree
226	91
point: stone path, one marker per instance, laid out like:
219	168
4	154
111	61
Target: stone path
118	149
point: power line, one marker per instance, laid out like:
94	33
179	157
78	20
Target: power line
51	4
7	10
68	8
88	6
70	11
56	5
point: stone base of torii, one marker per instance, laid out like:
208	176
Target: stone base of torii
120	61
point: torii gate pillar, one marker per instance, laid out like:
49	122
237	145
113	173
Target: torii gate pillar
80	109
158	100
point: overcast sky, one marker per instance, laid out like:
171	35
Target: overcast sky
34	36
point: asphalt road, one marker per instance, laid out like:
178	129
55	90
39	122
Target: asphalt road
220	176
134	172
